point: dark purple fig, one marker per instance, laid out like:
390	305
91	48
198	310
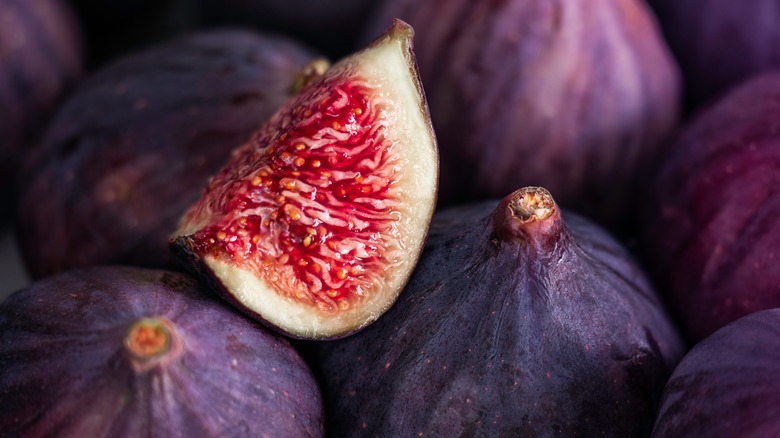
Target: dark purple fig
518	321
40	59
572	96
128	352
720	43
135	145
727	385
710	232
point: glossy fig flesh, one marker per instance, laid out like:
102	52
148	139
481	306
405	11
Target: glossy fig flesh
315	224
727	385
130	352
710	233
134	145
579	95
518	321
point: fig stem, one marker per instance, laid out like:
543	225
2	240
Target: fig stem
147	341
532	203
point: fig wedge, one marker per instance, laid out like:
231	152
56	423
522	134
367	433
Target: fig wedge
315	224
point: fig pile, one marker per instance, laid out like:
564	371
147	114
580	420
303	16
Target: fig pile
473	218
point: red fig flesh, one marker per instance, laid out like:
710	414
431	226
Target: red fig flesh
315	224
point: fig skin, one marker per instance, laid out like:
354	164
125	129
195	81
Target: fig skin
42	57
720	45
579	95
516	322
70	367
709	233
727	384
135	144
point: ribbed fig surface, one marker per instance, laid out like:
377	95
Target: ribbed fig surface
578	95
315	224
518	321
128	352
710	232
727	384
134	145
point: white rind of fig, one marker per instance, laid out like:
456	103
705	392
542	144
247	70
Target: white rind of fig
315	225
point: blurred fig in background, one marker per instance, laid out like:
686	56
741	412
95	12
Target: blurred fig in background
573	96
41	56
135	145
710	229
719	43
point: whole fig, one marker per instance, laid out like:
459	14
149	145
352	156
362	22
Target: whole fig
137	142
130	352
573	96
727	384
710	234
519	320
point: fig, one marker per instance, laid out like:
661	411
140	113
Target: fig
579	95
316	223
727	384
709	232
128	352
520	320
40	60
131	149
741	40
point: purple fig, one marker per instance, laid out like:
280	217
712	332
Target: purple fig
136	144
720	43
710	233
727	385
518	321
128	352
573	96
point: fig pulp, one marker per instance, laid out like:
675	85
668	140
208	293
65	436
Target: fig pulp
518	321
316	223
131	149
727	384
579	95
710	233
130	352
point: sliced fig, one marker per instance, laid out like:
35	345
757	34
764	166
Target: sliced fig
315	224
727	385
130	352
518	321
132	148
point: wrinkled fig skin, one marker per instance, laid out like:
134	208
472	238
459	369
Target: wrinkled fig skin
68	372
727	385
331	26
507	329
587	90
40	59
136	144
710	233
721	44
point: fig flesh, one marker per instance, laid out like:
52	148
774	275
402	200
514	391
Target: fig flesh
727	384
316	223
579	95
710	234
131	149
130	352
518	321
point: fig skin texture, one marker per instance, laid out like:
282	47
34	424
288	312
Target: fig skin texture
315	224
709	233
135	144
579	95
720	44
41	57
518	321
727	385
130	352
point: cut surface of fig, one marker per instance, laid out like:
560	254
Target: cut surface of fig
316	223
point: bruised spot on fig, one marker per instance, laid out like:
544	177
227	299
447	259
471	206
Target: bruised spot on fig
309	73
148	341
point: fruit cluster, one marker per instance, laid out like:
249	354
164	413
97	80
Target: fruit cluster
485	218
